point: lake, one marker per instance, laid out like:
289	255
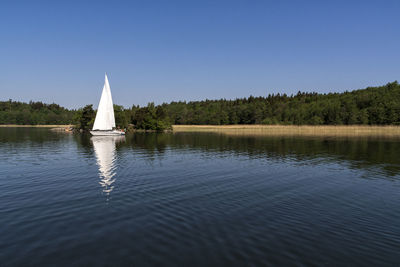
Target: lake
197	199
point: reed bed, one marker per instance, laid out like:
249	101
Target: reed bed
292	130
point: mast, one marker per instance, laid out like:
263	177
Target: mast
110	102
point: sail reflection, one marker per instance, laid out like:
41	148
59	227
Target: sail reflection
105	152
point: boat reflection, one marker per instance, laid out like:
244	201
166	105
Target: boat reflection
105	152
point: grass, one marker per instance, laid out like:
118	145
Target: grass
293	130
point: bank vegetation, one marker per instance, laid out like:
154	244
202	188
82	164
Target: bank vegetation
370	106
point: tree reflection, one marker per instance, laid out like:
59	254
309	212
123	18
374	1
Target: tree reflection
360	153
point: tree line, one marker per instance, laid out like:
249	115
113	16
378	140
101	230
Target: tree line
370	106
33	113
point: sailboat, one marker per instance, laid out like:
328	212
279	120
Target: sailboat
104	123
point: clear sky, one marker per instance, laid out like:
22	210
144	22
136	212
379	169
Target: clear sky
160	51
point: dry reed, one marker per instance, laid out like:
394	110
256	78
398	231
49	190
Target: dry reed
292	130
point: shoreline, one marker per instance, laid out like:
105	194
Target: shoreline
293	130
268	130
35	126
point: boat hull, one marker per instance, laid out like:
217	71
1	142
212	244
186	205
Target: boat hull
103	133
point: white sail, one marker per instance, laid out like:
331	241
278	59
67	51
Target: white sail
105	119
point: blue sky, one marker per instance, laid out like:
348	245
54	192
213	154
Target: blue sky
162	51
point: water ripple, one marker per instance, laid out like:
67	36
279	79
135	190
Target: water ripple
153	200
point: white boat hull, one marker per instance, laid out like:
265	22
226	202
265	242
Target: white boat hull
113	132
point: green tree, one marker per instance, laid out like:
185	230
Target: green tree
85	118
121	116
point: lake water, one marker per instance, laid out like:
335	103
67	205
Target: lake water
197	199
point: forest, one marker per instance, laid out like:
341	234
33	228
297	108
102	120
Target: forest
369	106
34	113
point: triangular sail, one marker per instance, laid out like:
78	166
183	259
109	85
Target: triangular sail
105	119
